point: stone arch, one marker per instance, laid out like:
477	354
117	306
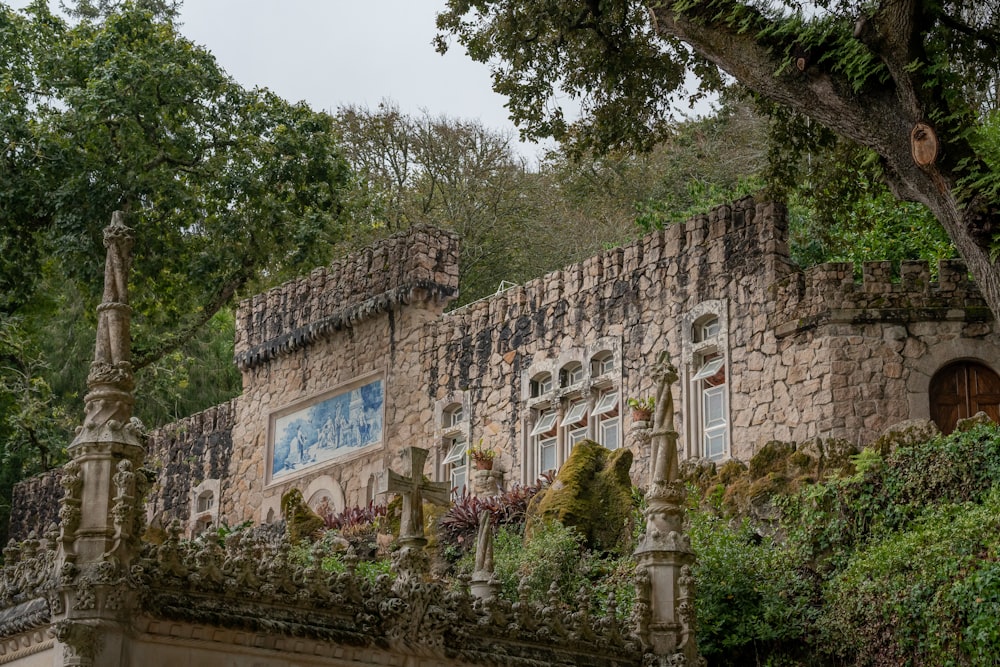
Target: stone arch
326	488
961	389
937	357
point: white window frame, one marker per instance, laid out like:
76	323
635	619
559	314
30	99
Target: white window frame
549	443
456	464
714	430
545	423
602	364
705	354
612	424
573	374
608	402
577	412
568	398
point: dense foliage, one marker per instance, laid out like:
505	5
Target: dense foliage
895	564
228	189
914	83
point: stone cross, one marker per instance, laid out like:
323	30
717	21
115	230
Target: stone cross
414	491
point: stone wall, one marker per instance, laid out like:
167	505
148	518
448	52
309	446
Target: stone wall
35	504
184	455
808	354
812	354
631	299
865	350
362	318
420	264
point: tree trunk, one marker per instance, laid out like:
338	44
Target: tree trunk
882	118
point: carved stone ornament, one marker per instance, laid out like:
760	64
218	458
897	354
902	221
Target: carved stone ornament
111	380
665	621
252	575
81	642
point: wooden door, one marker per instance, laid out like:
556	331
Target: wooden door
962	389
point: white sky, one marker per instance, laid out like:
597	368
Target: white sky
337	52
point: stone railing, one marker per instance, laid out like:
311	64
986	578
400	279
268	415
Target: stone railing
252	582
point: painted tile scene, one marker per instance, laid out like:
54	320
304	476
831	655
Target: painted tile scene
330	429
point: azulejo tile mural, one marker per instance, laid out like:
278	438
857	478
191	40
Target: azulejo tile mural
327	427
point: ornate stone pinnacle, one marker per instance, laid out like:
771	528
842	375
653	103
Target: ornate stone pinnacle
110	380
664	585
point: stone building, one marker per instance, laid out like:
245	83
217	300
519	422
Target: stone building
94	592
346	366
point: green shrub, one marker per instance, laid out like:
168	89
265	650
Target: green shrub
754	606
553	554
926	595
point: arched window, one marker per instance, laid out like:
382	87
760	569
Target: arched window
206	500
705	362
453	416
603	363
541	384
571	374
960	390
705	329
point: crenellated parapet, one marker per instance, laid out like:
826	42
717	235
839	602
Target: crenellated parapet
660	272
830	293
418	266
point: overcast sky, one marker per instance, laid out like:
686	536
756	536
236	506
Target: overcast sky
335	52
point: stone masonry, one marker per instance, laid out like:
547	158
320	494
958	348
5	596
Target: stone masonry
798	356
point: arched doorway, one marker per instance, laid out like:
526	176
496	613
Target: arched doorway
960	390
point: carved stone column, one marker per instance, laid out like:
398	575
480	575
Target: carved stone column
102	508
484	585
664	584
487	482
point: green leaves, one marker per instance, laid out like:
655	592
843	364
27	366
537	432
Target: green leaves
223	185
605	56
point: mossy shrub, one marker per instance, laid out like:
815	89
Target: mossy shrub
593	494
300	520
772	457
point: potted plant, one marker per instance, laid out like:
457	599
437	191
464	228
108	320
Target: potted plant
482	457
642	408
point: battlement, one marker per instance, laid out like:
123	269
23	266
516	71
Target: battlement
743	236
420	264
829	292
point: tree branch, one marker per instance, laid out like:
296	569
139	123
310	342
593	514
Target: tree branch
144	357
816	93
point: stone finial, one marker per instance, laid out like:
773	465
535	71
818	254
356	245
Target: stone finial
664	586
110	380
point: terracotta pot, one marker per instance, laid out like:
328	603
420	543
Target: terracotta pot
483	464
641	415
